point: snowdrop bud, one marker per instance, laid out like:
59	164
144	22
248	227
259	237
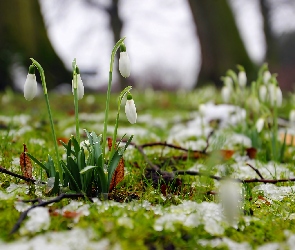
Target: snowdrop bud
266	77
80	87
263	93
230	196
30	87
259	125
226	93
292	116
124	64
242	79
130	110
275	95
228	81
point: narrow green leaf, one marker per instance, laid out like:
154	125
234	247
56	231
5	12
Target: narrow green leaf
86	169
40	164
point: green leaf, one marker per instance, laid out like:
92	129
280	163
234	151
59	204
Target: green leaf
73	183
86	169
50	166
55	189
40	164
76	146
73	169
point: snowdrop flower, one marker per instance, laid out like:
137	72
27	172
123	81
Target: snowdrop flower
259	125
227	89
230	196
130	110
263	93
80	86
30	87
292	116
124	64
266	77
275	95
242	79
226	93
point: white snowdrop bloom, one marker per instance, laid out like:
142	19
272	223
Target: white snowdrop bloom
263	93
275	95
30	87
242	79
292	116
124	64
226	93
228	81
130	111
266	77
80	87
259	125
230	195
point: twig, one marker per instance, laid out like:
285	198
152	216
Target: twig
256	170
42	204
207	142
5	171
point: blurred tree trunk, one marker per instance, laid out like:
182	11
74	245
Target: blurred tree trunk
116	26
221	45
271	55
23	35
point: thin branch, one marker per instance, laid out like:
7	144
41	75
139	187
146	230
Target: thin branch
256	170
5	171
43	204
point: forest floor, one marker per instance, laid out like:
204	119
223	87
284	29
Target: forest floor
193	135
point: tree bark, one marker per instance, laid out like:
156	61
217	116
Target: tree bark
23	35
221	45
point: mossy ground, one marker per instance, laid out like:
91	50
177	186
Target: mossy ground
173	107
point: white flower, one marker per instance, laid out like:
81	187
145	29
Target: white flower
266	77
30	87
292	116
80	87
230	196
275	95
124	64
263	93
242	79
259	124
226	93
130	111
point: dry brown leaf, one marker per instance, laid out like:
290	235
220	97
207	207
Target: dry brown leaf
118	174
25	163
251	152
226	153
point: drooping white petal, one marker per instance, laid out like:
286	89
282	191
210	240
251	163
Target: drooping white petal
124	64
266	77
292	116
259	125
242	79
230	195
263	93
275	95
80	87
30	87
130	111
226	93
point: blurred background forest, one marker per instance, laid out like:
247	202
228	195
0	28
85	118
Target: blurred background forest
173	44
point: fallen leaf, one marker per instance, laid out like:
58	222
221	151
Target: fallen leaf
251	152
63	139
118	174
25	163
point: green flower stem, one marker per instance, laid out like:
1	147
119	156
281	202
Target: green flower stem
41	71
104	137
76	107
